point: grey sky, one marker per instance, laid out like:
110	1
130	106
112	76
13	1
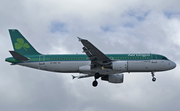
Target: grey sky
114	26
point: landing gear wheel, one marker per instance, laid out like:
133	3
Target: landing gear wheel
153	79
153	76
95	83
97	75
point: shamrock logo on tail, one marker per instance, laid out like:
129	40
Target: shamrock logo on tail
20	43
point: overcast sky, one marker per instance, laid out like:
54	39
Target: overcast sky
114	26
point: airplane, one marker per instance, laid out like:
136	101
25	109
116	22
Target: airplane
94	63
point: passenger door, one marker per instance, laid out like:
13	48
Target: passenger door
154	58
41	60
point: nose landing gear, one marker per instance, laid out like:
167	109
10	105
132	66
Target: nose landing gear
153	77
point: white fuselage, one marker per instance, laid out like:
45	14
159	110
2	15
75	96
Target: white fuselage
75	66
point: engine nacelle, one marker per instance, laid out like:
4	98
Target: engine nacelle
120	66
114	78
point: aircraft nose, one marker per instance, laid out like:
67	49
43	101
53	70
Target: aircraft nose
173	65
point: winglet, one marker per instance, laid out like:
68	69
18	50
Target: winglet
79	38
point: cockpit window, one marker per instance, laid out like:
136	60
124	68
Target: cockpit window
164	58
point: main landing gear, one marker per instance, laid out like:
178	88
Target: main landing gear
153	77
95	83
96	76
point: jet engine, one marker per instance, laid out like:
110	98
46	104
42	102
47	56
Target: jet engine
113	78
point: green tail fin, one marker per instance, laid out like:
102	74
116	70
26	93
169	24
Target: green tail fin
20	44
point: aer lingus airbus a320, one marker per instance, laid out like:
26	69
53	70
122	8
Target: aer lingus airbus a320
94	63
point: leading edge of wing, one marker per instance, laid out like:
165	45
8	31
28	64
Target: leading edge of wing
93	52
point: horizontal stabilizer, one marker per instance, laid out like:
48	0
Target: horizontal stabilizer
81	76
18	56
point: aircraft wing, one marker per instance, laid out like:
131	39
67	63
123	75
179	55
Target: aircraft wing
94	54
